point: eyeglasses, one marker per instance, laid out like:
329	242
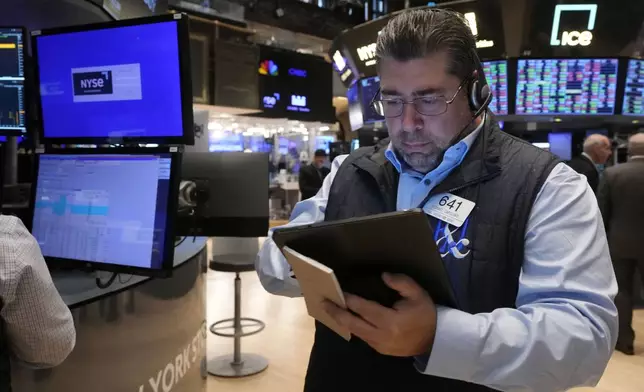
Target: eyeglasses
425	105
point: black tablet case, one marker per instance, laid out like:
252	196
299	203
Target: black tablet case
359	250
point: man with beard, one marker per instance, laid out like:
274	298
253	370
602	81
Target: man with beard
530	265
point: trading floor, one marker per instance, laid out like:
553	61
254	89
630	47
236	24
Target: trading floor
289	335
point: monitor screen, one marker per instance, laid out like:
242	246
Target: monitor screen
295	85
370	87
12	81
85	209
634	91
356	118
323	142
496	73
566	86
561	144
225	141
92	85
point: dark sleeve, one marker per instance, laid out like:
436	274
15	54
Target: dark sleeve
603	198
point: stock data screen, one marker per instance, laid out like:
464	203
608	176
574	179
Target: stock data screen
566	86
634	92
12	81
369	88
496	73
86	208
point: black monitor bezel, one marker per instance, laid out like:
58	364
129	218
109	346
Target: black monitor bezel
173	195
25	86
185	81
617	108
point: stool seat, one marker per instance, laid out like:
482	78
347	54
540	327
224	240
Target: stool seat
236	262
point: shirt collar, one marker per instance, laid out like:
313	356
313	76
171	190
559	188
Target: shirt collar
588	157
461	148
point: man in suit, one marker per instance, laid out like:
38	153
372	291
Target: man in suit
312	175
597	150
621	196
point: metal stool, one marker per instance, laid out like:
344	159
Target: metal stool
237	364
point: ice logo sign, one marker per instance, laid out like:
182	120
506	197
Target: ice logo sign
107	83
573	38
298	100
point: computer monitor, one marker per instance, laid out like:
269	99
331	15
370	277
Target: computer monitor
561	144
99	209
496	74
237	186
13	118
125	81
368	89
566	86
634	91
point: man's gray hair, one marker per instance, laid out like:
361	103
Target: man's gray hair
636	145
596	139
417	33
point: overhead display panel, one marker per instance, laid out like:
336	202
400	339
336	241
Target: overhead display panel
566	86
496	73
634	90
295	85
354	51
557	28
127	9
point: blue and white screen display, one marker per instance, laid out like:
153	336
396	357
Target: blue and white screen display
108	209
118	82
369	89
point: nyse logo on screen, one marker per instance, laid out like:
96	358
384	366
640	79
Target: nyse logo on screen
298	100
573	38
93	83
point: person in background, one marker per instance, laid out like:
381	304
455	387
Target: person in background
621	200
37	328
597	151
529	264
312	175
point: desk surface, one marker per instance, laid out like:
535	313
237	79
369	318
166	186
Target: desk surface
80	287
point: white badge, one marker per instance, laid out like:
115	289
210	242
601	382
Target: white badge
449	208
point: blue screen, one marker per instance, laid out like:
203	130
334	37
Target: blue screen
634	91
496	73
561	145
118	82
108	209
225	142
566	86
370	87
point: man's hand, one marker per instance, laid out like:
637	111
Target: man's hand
405	330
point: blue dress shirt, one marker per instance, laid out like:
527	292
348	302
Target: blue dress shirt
564	328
